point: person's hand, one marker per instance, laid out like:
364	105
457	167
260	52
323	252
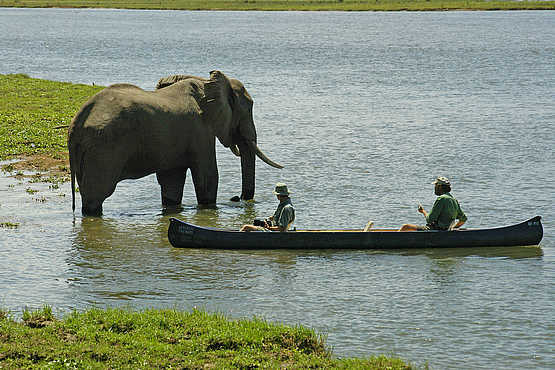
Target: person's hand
420	208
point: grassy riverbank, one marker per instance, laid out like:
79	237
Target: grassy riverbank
277	5
34	115
116	338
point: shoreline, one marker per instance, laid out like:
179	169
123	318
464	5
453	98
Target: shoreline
269	5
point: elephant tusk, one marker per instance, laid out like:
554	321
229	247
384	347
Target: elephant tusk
263	156
235	150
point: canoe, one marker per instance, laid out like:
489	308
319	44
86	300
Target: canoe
185	235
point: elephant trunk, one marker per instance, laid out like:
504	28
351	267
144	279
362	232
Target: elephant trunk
247	170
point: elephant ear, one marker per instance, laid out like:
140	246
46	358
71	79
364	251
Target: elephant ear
217	106
170	80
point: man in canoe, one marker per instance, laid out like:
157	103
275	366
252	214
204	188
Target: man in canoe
445	211
283	216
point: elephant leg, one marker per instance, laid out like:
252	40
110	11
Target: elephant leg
205	179
91	207
95	187
171	183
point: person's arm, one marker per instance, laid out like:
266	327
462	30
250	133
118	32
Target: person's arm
460	216
276	228
268	225
286	217
422	210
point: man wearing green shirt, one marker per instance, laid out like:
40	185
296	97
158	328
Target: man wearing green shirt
283	216
445	211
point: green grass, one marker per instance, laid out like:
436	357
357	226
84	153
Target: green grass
31	110
118	338
344	5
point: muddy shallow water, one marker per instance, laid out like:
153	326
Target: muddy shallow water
363	116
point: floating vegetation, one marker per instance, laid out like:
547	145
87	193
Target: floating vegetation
37	177
56	179
9	225
8	168
31	191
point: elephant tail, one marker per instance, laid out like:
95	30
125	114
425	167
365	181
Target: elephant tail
75	158
72	171
73	145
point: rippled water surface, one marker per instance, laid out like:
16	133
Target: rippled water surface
363	110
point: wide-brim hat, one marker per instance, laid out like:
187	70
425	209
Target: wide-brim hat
441	180
281	189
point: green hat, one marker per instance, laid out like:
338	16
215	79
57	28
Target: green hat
441	180
281	189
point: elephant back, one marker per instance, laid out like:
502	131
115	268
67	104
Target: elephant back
170	80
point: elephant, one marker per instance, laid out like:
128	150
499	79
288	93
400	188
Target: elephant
125	132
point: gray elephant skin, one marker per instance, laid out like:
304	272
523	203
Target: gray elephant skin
124	132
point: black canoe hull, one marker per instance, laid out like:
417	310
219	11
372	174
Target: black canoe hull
185	235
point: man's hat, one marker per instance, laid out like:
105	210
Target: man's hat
281	189
441	180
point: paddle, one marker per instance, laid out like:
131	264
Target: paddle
368	226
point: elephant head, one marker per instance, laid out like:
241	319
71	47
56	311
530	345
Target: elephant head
227	107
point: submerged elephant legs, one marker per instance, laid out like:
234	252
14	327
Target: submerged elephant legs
171	183
97	181
205	180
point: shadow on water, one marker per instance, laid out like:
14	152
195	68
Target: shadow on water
432	253
488	252
225	215
436	253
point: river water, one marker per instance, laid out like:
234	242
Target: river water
363	110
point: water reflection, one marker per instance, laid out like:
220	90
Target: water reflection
229	215
506	252
443	271
105	249
97	233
